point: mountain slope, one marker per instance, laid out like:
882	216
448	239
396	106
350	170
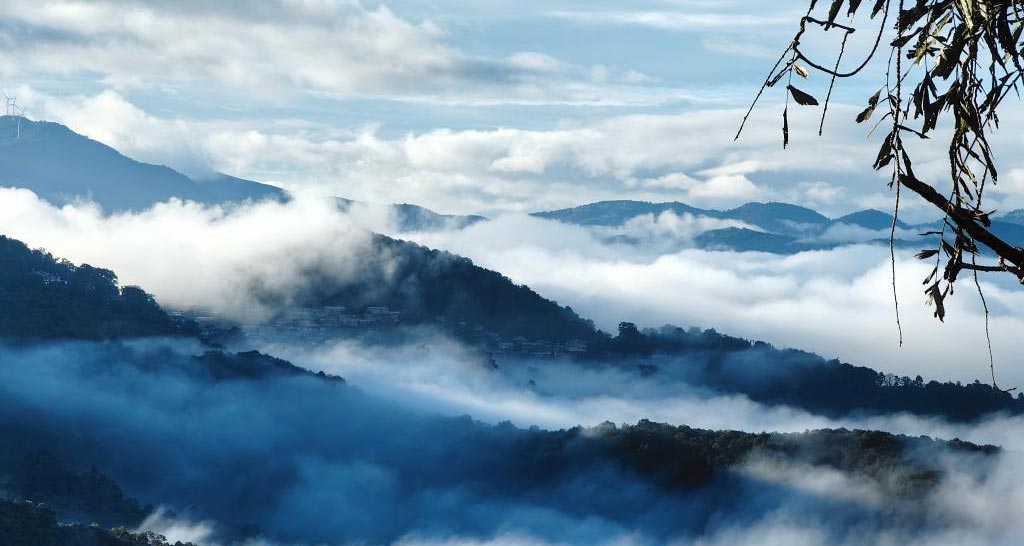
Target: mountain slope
202	443
431	286
780	218
616	213
747	240
872	219
1013	217
45	298
410	218
60	165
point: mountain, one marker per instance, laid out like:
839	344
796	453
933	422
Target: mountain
774	217
1013	217
789	377
30	524
60	165
748	240
616	213
194	444
42	297
781	228
436	287
781	218
872	219
412	218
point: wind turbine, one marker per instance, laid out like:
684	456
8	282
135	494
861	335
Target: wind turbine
7	103
20	113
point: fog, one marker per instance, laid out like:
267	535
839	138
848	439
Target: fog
242	262
434	373
837	303
315	462
392	458
245	262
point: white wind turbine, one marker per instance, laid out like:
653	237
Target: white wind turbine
12	109
20	113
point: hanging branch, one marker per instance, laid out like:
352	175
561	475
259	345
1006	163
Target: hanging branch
964	58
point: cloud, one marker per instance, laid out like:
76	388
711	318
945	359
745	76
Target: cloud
658	157
695	17
338	466
835	303
274	53
273	45
177	529
654	157
241	262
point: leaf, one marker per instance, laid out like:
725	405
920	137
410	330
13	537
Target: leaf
936	298
879	6
873	101
884	153
801	71
785	128
866	114
925	254
802	98
833	12
854	5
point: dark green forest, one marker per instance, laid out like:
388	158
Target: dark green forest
47	298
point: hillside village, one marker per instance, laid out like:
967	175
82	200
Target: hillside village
309	324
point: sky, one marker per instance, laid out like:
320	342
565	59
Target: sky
463	106
497	108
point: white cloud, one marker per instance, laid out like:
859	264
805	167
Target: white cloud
688	20
238	262
837	303
336	47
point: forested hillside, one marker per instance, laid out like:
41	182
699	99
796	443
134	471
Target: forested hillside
42	297
431	286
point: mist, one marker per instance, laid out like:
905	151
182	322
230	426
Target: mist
249	261
319	462
241	262
432	372
837	303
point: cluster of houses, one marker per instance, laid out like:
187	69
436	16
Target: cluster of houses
49	278
320	323
536	348
311	324
338	317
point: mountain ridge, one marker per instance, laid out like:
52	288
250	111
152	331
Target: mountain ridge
784	228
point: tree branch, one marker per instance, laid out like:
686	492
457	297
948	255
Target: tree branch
977	231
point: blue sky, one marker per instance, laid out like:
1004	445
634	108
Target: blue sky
464	106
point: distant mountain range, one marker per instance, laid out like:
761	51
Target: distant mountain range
779	228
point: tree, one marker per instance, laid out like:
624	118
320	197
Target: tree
952	63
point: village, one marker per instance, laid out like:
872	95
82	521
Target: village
320	324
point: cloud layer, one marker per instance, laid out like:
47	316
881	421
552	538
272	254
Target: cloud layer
838	303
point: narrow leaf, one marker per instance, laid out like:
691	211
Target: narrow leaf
785	128
802	98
